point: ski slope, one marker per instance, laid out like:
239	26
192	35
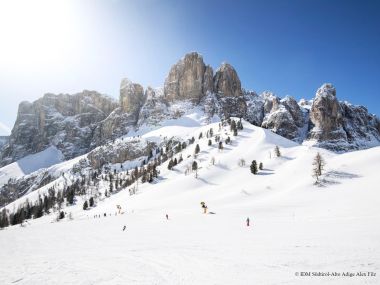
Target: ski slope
295	225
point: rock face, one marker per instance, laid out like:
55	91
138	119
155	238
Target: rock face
65	121
3	141
120	151
326	115
283	117
189	79
227	82
132	97
340	126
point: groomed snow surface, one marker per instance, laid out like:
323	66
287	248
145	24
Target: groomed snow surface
295	226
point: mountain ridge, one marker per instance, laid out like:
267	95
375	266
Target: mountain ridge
78	123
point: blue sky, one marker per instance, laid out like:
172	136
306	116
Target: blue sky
288	47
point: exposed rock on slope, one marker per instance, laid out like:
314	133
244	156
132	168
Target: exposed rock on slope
189	78
120	151
3	141
284	117
132	97
66	121
227	82
340	126
326	115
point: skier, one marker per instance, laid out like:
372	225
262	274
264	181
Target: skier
167	217
247	222
124	228
204	207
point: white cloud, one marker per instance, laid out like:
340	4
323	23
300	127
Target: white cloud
4	129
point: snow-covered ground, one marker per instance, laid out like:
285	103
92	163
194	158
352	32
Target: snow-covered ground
30	163
295	226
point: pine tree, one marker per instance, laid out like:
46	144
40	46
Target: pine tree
197	149
150	155
209	142
170	164
91	202
233	126
220	145
253	167
211	132
111	187
261	166
85	205
235	132
194	166
200	135
277	151
240	125
318	166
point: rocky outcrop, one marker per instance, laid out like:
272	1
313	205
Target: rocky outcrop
115	125
283	117
65	121
326	115
132	97
3	141
340	126
189	79
227	82
120	151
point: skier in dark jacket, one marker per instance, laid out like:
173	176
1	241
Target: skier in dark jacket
124	228
247	222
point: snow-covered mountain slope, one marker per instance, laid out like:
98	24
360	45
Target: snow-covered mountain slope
30	163
296	226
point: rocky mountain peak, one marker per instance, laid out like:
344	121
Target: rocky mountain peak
227	82
63	120
326	90
132	96
326	115
189	79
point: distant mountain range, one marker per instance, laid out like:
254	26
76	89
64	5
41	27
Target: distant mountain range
76	124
